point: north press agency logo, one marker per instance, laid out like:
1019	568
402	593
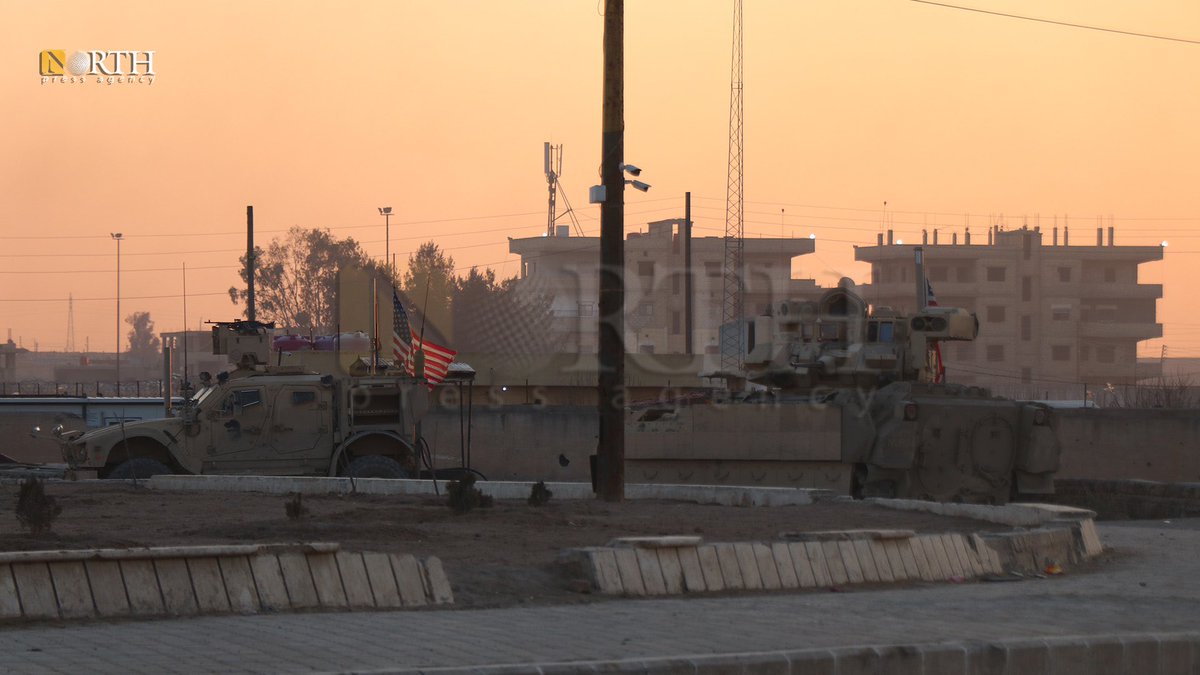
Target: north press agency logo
121	66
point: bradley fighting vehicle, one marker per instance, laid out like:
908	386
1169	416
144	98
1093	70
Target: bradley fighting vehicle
266	420
851	400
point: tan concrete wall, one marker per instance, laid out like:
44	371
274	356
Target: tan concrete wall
1159	445
518	442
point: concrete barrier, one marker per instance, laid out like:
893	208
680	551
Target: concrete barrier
191	580
682	565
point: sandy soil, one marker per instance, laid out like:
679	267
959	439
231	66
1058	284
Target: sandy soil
500	556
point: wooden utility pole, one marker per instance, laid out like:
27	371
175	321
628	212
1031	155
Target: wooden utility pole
610	455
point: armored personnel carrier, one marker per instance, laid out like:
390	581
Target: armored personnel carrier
851	400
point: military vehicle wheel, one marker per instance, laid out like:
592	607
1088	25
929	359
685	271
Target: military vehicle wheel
375	466
139	467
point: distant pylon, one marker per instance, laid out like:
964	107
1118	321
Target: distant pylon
70	323
734	289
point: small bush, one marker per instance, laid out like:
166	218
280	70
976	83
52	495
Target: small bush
36	510
295	508
539	495
464	496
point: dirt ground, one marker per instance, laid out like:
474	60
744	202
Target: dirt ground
499	556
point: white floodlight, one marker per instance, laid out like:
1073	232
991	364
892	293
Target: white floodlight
631	170
638	185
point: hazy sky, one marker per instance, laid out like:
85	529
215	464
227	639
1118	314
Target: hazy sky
317	113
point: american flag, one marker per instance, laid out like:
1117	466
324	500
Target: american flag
405	345
938	366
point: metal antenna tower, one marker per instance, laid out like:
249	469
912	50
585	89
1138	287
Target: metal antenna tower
552	165
70	323
552	169
731	314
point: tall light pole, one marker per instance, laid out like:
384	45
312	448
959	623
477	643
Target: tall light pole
386	212
117	237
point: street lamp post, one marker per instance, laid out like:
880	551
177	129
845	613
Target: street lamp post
386	212
117	237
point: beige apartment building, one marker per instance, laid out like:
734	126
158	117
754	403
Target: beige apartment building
1053	318
566	269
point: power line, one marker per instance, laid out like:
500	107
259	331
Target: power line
1059	23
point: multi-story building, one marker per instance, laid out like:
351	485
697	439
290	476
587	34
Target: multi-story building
566	269
1052	318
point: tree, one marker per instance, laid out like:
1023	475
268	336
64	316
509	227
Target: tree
500	317
144	345
295	280
429	283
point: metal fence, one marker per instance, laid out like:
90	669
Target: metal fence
46	388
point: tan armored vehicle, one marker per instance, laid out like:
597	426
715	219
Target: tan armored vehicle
264	420
851	401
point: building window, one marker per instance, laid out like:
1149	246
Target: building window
676	327
939	273
995	313
1026	289
1060	312
1026	375
1060	352
646	268
1026	327
966	351
1064	274
646	349
675	283
646	309
996	273
1110	274
1106	354
995	353
712	269
585	309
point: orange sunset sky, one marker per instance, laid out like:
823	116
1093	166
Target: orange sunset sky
317	113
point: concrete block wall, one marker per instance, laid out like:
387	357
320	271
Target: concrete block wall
181	581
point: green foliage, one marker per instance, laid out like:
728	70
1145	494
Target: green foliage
144	344
36	510
294	507
499	317
430	284
295	280
539	494
463	496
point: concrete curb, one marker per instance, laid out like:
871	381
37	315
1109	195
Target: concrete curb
184	581
725	495
1014	515
676	565
1118	653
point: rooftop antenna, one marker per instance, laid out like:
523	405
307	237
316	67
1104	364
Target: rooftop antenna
70	323
551	169
552	159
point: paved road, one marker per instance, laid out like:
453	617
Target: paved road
1151	584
